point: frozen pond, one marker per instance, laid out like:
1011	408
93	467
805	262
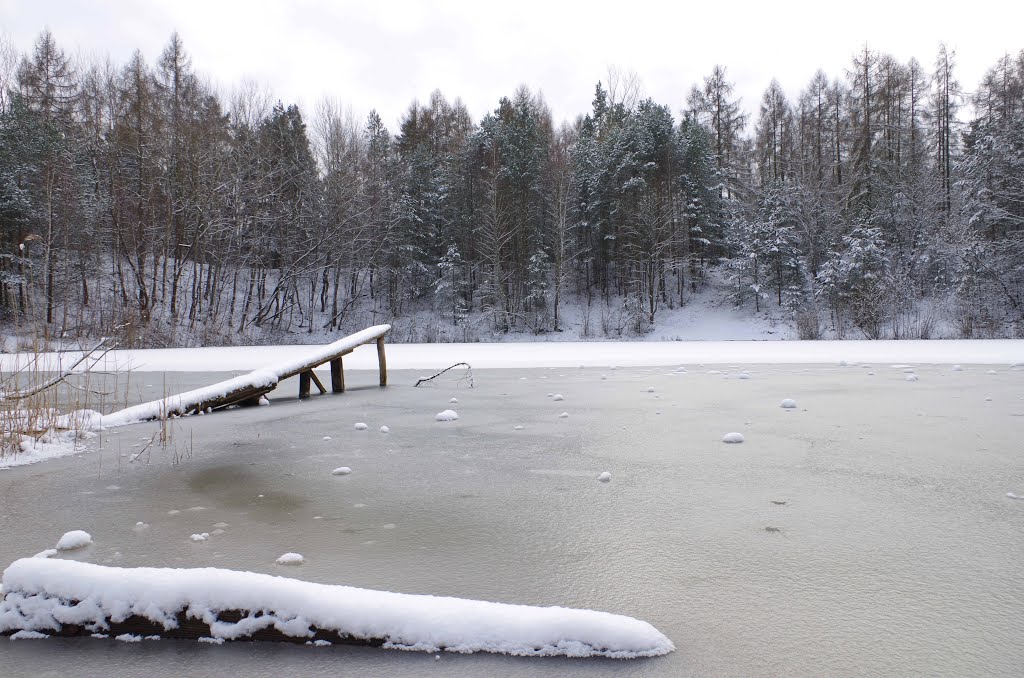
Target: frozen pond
866	531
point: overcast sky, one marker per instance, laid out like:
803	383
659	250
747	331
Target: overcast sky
383	55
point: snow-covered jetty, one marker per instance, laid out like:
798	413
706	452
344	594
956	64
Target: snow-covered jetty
66	597
252	386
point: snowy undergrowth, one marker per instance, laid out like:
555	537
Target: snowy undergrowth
39	594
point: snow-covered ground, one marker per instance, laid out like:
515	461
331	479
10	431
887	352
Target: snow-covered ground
562	354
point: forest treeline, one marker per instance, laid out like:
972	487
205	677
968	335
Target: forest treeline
136	199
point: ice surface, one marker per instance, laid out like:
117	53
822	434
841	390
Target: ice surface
446	415
75	539
40	594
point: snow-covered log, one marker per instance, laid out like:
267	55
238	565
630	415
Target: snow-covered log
65	597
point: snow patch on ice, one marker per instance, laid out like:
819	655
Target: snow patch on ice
557	397
128	638
290	559
202	536
911	377
28	635
446	415
341	471
47	553
563	415
733	437
605	477
788	404
75	539
385	429
361	426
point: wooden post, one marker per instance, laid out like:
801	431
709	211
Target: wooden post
316	380
382	361
303	384
337	376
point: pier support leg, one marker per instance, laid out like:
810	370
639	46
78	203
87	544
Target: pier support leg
337	376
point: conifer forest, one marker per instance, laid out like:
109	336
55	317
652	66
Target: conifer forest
136	199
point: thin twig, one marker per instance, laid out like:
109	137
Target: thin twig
468	375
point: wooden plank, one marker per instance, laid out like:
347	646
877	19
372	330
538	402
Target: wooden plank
304	384
316	380
337	376
382	362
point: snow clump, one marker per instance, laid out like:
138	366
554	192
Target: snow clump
557	397
385	429
732	437
75	539
202	536
360	426
563	415
447	415
605	477
788	404
911	377
453	401
290	559
341	471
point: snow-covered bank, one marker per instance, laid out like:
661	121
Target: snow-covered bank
38	594
566	354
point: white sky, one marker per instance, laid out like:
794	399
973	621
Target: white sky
383	55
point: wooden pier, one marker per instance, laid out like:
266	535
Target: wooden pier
247	389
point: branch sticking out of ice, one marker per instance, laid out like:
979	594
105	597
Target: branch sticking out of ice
39	594
732	437
75	539
447	415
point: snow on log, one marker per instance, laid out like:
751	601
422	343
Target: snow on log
245	387
65	597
